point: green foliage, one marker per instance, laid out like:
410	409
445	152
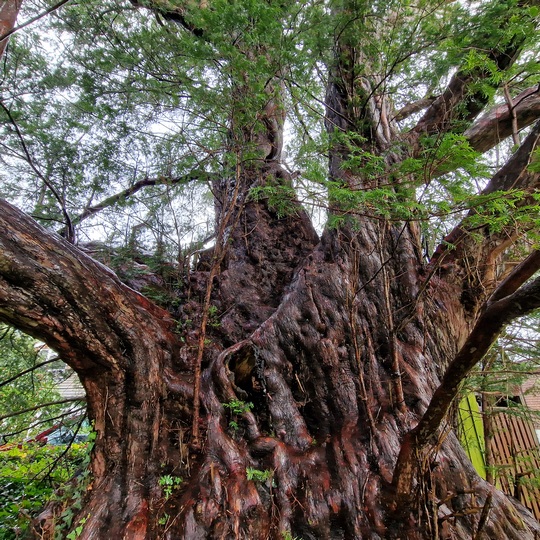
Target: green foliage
359	160
237	406
256	475
159	295
77	531
280	198
18	353
29	476
288	536
163	520
502	210
118	102
213	317
534	165
407	191
169	484
72	495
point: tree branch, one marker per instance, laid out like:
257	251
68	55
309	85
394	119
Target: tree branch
495	316
8	16
137	186
29	370
53	291
497	124
514	175
8	32
413	107
174	15
40	406
521	273
463	100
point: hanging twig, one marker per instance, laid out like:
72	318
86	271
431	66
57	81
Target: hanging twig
50	468
26	371
70	230
48	420
41	406
219	254
512	110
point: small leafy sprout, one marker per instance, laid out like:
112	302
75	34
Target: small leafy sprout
237	406
288	536
213	319
75	533
164	519
256	475
170	483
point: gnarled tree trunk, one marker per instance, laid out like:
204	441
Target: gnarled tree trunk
331	342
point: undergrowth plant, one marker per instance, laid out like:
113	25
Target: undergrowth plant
29	476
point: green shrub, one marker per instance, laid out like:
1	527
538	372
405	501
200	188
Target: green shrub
29	475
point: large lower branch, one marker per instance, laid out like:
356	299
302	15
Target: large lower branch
496	315
56	293
123	348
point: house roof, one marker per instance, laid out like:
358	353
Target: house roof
531	396
71	388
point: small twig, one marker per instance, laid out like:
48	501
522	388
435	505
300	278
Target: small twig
70	231
219	254
512	111
26	371
6	436
52	466
41	406
33	20
483	516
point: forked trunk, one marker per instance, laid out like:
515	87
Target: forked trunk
324	340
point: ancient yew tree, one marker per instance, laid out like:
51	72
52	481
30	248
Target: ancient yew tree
286	379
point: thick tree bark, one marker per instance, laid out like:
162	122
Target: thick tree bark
121	346
332	344
317	362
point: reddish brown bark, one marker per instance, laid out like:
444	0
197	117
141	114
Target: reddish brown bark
506	304
317	366
9	9
496	125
